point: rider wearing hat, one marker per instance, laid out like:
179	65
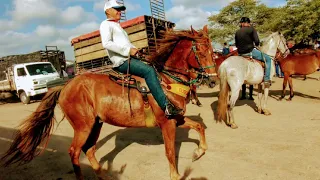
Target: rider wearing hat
246	40
119	48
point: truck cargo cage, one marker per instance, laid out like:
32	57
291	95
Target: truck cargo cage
143	33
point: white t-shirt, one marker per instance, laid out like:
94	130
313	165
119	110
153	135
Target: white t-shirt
116	42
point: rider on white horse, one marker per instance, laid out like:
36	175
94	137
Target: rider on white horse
246	39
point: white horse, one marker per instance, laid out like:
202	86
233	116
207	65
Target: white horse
237	70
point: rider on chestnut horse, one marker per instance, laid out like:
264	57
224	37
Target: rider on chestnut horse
119	48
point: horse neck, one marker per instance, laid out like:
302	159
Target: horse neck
270	48
178	63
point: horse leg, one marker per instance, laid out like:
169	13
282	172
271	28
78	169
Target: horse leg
194	97
89	148
168	129
190	124
233	100
260	98
80	138
264	106
284	85
82	125
291	89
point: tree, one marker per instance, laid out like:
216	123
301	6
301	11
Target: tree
225	24
298	20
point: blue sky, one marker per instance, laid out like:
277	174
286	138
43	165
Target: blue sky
29	25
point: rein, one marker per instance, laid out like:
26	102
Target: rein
167	70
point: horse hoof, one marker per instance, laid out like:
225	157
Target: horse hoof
259	111
266	112
289	99
233	126
197	154
199	104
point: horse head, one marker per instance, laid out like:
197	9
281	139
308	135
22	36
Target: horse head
275	46
186	53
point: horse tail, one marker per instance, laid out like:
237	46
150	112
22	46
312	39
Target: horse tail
223	96
33	131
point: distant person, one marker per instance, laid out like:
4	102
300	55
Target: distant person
225	50
243	92
316	45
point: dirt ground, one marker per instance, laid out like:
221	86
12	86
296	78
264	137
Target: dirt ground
285	145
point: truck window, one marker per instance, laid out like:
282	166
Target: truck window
39	69
21	72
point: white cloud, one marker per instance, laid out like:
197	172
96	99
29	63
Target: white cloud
25	10
190	16
75	14
6	25
16	43
130	6
45	31
201	3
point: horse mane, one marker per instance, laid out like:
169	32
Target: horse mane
167	42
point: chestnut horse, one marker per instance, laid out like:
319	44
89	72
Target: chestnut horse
304	63
88	100
236	70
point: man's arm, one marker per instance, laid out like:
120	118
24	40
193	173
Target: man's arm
109	44
255	37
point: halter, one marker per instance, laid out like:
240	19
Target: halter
201	73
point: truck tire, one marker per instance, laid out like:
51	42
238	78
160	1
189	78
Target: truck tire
24	98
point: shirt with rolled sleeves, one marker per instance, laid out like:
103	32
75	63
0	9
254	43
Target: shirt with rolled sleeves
116	42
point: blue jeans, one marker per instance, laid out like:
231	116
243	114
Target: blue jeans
278	70
256	54
138	68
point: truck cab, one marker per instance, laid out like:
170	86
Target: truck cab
30	79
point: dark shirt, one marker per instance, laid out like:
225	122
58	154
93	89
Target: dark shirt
225	51
246	38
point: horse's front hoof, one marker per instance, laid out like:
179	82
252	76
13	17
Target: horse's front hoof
199	104
233	126
266	112
259	110
290	99
197	154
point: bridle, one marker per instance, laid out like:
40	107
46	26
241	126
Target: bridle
200	71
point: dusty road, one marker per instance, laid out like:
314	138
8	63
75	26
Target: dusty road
285	145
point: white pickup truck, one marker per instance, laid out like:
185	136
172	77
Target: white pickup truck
28	79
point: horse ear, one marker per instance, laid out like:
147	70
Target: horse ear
193	31
205	29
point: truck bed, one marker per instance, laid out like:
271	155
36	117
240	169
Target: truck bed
5	86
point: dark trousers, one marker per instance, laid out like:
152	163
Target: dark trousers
243	93
147	72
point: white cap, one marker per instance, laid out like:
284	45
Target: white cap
113	4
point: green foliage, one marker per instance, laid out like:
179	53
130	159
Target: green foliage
298	20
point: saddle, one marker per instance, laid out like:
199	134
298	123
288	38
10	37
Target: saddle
249	58
130	82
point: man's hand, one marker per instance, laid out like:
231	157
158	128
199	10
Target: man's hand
133	51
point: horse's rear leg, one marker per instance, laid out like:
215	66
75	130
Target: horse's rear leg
80	138
284	85
82	128
169	136
89	147
233	99
291	89
190	124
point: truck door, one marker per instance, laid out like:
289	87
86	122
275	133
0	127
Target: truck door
21	78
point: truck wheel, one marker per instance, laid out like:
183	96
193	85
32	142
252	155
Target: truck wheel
24	98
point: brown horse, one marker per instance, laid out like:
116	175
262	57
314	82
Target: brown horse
90	99
298	64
